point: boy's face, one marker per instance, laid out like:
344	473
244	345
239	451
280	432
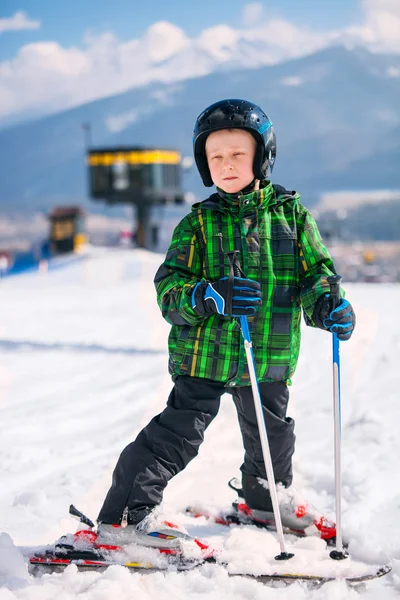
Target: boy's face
230	155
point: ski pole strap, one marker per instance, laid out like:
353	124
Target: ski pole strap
229	297
234	263
234	271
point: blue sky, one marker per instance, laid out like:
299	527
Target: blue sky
67	22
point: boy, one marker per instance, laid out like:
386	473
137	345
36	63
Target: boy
284	269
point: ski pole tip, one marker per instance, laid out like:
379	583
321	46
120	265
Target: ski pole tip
339	554
284	556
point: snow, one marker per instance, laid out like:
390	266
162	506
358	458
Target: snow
84	367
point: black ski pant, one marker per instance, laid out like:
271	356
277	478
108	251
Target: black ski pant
172	439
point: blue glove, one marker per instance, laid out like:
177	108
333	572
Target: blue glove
342	320
234	297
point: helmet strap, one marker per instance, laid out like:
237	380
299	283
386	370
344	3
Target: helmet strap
249	188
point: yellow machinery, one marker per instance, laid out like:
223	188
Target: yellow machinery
138	176
369	256
67	233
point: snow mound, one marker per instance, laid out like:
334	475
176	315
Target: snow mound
13	570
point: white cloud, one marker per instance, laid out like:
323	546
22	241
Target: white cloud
380	31
116	123
393	72
17	22
252	13
389	117
219	41
162	40
292	81
166	95
45	77
42	75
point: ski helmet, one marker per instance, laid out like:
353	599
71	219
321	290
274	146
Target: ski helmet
235	114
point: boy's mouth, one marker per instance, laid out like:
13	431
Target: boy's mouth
229	178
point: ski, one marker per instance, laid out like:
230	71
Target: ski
48	562
85	550
53	561
315	580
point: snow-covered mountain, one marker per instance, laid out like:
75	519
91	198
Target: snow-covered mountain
335	113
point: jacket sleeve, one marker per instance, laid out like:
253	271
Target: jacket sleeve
178	275
315	265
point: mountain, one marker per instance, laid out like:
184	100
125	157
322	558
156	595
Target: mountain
335	113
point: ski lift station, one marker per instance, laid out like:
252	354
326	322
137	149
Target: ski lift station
137	176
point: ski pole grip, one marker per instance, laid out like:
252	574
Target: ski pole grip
334	289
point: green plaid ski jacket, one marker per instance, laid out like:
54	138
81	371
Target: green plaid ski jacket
280	246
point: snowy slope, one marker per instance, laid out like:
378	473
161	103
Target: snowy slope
84	366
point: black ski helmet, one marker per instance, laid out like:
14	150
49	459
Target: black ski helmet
235	114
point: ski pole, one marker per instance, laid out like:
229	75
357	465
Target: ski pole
339	553
262	429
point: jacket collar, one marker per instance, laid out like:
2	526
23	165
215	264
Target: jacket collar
269	195
256	199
